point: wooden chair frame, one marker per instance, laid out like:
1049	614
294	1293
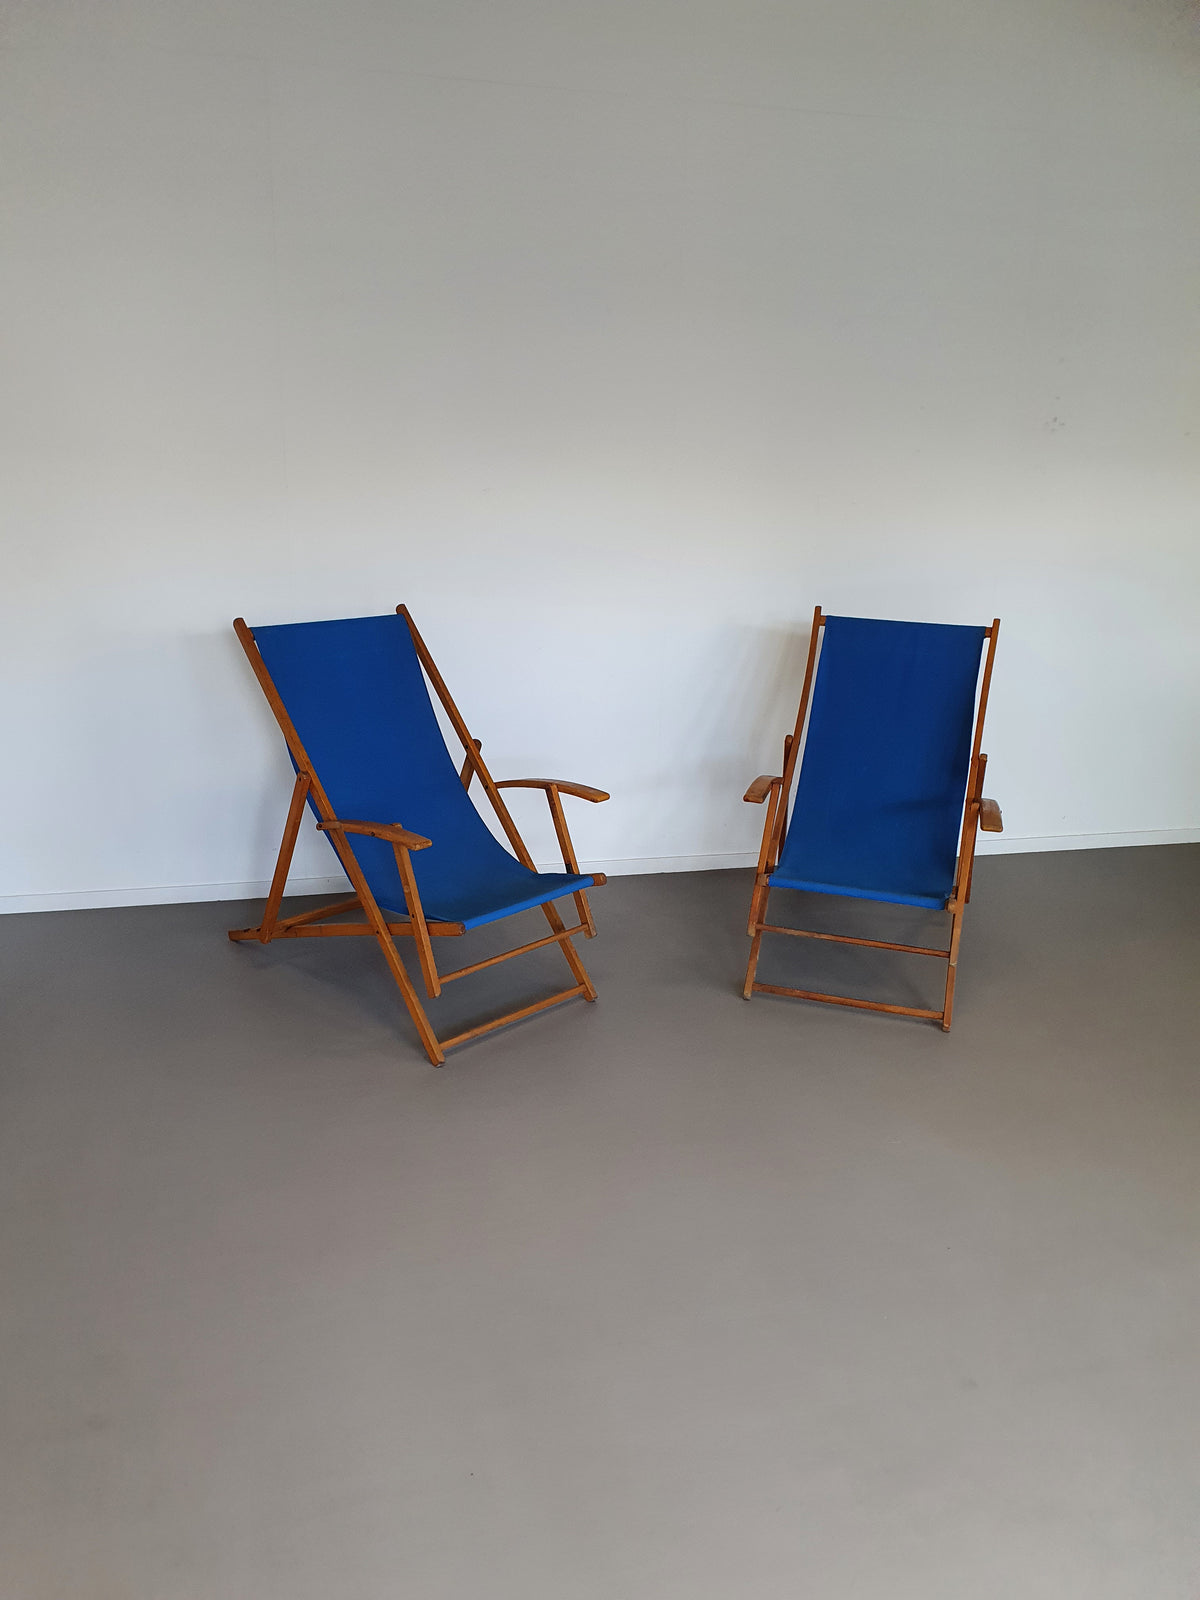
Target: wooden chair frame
776	790
319	924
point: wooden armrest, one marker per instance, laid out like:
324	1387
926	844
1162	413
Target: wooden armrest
761	788
391	831
990	819
581	790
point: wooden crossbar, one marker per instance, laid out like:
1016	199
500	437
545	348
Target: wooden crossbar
846	938
349	930
513	1016
507	955
321	912
845	1000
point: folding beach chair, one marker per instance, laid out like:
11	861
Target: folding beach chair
352	703
890	789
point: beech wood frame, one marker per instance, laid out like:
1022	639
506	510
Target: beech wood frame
320	924
776	790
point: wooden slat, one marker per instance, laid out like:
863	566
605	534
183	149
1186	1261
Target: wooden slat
570	861
506	955
846	938
845	1000
283	864
349	930
321	911
513	1016
416	917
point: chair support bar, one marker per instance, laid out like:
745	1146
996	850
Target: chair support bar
507	955
342	930
337	910
513	1016
846	938
845	1000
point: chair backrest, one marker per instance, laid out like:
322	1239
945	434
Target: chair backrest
358	700
883	773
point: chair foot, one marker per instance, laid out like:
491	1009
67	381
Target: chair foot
752	965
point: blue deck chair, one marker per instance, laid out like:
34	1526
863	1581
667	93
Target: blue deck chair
890	789
352	703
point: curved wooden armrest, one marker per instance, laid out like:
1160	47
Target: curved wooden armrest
990	819
760	788
391	831
581	790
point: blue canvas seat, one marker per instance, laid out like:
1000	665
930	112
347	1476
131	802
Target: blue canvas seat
358	700
888	785
372	764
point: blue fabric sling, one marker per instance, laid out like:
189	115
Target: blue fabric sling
884	770
358	699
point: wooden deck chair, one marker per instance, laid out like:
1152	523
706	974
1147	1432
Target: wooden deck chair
890	789
352	703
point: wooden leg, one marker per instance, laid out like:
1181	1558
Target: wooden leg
758	898
416	1010
391	955
416	916
758	915
758	908
569	859
574	961
952	970
287	845
758	911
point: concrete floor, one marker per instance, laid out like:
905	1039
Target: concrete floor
667	1298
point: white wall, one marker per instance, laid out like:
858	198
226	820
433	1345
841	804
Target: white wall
612	338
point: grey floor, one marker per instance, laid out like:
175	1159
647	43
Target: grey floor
669	1296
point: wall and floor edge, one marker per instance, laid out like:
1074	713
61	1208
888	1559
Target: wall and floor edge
256	888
